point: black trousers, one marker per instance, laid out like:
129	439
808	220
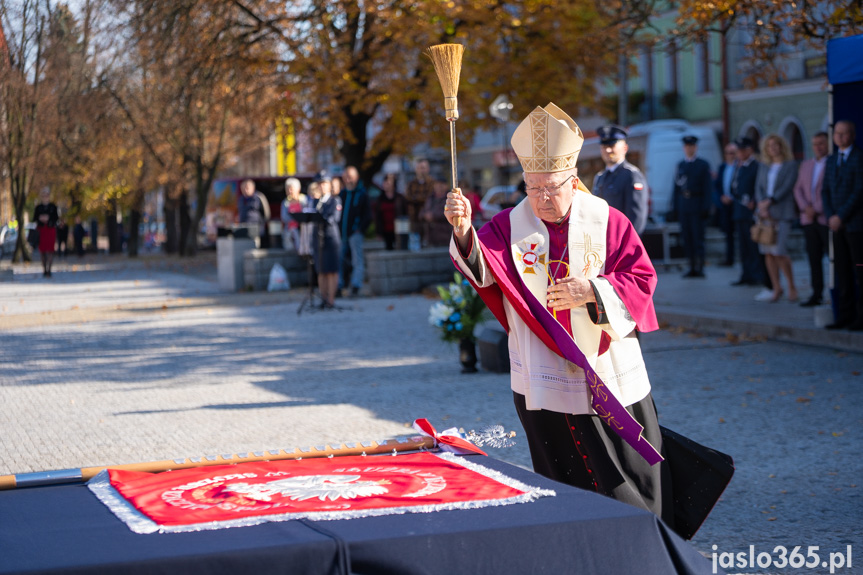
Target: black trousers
816	248
726	222
692	234
581	450
848	280
750	259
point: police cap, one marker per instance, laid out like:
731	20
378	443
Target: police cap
690	140
610	133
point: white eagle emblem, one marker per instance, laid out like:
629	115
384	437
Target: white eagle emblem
301	488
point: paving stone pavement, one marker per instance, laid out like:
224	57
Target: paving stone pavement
216	380
123	362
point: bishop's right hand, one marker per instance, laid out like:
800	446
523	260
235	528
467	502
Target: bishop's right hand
458	213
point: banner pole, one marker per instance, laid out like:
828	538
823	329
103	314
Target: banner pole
79	475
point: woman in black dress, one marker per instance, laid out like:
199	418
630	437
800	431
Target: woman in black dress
327	242
46	217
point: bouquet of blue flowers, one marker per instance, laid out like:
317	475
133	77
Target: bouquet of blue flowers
458	312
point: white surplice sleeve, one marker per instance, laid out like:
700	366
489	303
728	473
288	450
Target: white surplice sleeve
473	265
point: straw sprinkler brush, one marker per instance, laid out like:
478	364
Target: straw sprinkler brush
447	63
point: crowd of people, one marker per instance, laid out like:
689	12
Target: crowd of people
824	194
766	188
758	198
335	237
751	188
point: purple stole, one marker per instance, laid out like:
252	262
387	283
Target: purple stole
494	240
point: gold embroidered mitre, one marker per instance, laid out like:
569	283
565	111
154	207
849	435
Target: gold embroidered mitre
547	141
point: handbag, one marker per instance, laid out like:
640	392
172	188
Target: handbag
764	232
33	237
699	475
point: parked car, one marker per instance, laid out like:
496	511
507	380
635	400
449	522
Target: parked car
495	199
8	237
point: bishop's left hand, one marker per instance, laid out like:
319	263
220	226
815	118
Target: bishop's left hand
569	293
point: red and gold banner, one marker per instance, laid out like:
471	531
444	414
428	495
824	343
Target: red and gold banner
318	489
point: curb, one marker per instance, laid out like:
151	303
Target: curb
840	340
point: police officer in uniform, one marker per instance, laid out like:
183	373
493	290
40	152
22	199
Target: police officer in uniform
621	184
692	198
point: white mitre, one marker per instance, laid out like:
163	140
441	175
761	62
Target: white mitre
547	141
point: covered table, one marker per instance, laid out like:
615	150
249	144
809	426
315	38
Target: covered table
66	529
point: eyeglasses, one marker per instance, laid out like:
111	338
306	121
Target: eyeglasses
547	190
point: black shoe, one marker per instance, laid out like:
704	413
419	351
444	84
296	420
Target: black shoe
691	274
856	326
355	291
742	282
726	264
699	274
838	325
811	302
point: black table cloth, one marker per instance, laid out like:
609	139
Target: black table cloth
65	529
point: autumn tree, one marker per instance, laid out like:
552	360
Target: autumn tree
24	104
86	138
355	76
196	86
770	27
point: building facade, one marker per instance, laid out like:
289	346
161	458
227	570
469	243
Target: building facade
796	106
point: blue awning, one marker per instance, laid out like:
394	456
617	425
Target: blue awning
845	59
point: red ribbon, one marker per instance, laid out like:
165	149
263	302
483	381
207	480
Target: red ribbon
446	441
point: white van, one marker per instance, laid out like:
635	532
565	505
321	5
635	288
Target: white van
659	148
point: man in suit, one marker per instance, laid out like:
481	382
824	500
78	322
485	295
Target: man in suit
621	184
807	194
743	192
692	197
842	195
724	201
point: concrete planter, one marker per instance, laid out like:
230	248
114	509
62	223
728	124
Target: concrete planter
398	272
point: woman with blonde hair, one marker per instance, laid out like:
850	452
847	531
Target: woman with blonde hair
774	195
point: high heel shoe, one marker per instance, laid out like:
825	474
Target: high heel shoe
792	297
776	297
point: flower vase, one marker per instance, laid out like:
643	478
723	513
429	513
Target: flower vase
467	355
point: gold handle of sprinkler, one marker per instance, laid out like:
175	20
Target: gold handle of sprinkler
456	221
